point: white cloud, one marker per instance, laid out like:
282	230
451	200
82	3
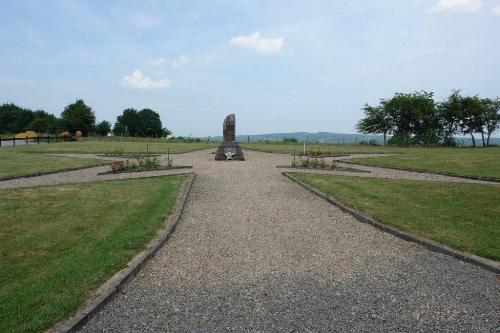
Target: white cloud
175	63
257	42
137	80
496	10
464	6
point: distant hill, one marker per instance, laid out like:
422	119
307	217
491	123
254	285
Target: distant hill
329	137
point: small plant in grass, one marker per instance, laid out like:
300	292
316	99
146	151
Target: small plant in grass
170	163
333	166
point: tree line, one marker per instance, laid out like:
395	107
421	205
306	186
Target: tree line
79	117
416	119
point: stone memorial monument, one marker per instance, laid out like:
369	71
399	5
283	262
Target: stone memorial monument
229	149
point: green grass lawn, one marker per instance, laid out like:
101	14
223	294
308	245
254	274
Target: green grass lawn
289	148
126	145
463	216
59	243
483	162
14	163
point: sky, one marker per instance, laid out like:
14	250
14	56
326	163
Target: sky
280	66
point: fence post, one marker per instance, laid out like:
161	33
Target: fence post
38	139
14	140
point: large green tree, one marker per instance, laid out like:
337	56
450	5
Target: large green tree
376	121
78	117
150	123
103	128
414	118
144	123
491	117
128	123
44	122
471	120
14	119
449	112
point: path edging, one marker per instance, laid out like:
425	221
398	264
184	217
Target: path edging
45	173
484	263
145	170
488	179
113	285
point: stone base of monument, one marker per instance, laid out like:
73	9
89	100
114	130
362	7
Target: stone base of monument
229	151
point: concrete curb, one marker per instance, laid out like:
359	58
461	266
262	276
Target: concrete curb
44	173
107	291
488	179
145	170
491	265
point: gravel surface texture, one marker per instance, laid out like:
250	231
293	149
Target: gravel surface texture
254	251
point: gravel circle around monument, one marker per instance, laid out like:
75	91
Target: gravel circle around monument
254	251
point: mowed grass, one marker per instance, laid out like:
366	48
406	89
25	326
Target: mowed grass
482	162
290	148
463	216
59	243
107	145
14	163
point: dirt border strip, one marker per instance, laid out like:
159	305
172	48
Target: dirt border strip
491	265
489	179
44	173
111	287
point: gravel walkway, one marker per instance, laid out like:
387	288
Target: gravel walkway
86	175
256	252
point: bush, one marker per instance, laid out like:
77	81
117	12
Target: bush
117	166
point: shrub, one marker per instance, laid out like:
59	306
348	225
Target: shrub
314	163
322	163
151	163
117	166
305	162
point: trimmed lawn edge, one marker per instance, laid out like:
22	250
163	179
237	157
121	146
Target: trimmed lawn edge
44	173
488	264
113	285
489	179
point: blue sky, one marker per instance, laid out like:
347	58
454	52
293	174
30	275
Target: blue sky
280	66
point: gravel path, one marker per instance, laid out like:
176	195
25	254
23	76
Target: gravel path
256	252
197	159
86	175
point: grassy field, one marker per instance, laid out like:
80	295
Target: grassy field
13	163
483	162
463	216
107	145
289	148
59	243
